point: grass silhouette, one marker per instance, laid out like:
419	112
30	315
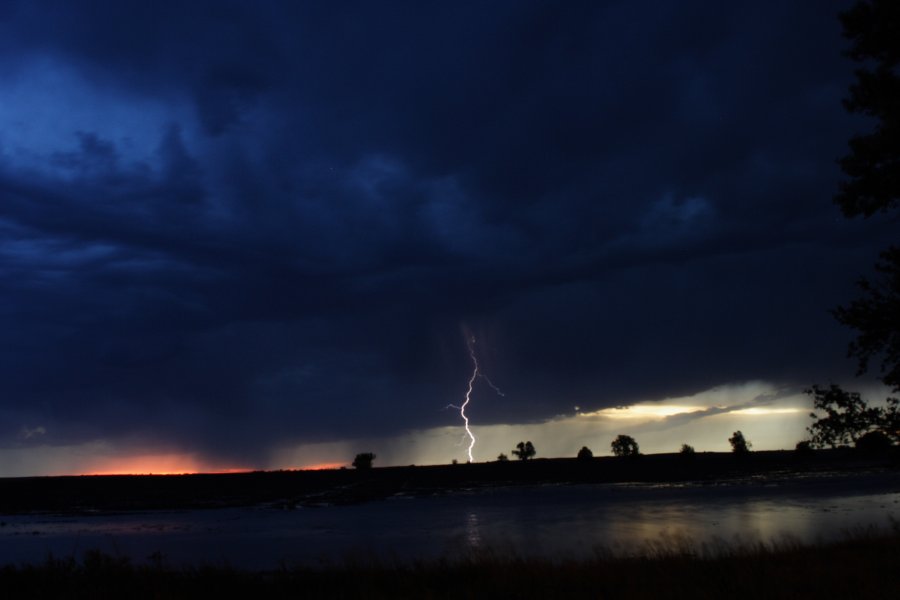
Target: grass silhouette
860	565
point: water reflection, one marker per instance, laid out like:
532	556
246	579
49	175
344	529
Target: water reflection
473	534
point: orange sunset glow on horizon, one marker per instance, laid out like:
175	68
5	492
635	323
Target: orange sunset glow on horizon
179	464
156	464
322	466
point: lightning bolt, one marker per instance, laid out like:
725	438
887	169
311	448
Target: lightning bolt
462	408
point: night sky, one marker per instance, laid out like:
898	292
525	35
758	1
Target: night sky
260	235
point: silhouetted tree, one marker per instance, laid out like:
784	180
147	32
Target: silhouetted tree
585	453
625	445
363	460
524	450
739	445
873	29
687	451
502	457
876	318
847	417
873	165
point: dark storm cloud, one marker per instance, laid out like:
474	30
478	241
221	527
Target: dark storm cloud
621	200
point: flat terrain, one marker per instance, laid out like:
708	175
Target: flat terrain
861	564
290	489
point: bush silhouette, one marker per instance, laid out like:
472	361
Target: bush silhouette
804	447
585	453
874	442
687	451
363	460
502	457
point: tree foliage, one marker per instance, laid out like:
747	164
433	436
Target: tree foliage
847	417
873	177
876	318
363	460
625	445
873	165
739	444
890	420
524	450
872	186
585	453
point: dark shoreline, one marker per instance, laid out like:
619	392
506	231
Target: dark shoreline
291	489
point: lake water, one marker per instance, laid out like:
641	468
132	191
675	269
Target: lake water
558	521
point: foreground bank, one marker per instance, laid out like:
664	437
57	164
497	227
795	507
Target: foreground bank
861	565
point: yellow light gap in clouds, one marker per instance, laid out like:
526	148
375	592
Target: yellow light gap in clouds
644	411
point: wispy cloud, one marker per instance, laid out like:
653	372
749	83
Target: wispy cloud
31	432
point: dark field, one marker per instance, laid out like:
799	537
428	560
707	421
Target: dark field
310	488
